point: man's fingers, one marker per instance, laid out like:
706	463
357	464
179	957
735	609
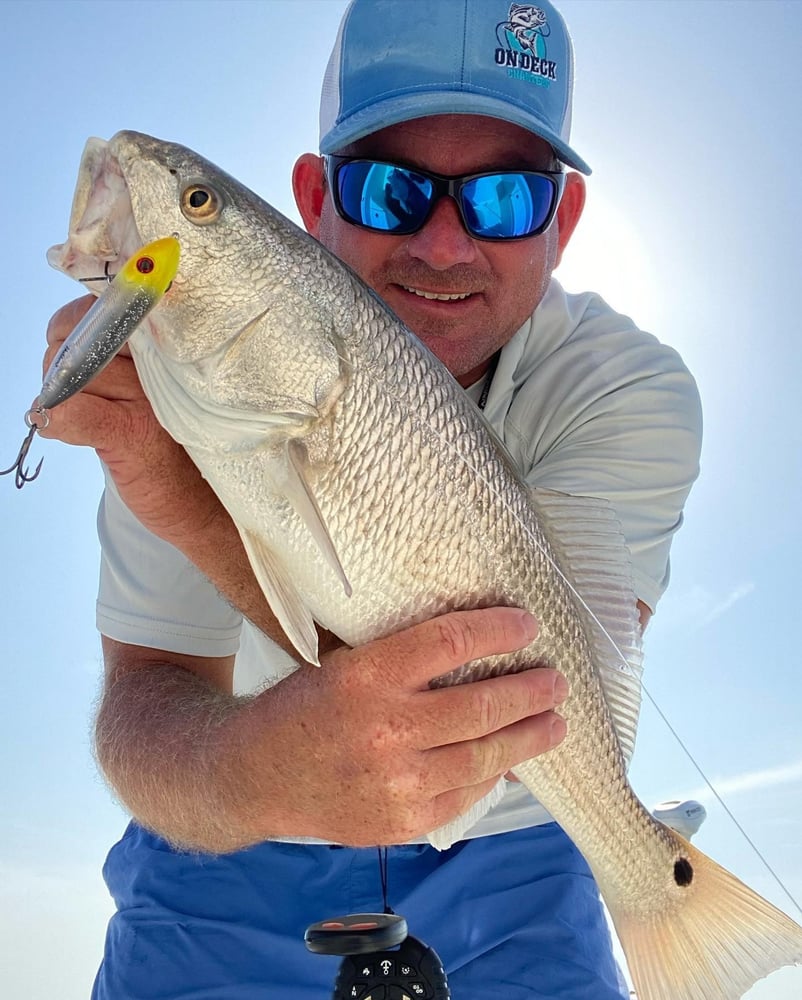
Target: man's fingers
425	651
433	752
476	761
480	764
91	417
470	711
117	381
86	420
65	319
456	801
63	322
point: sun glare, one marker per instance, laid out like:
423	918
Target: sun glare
608	255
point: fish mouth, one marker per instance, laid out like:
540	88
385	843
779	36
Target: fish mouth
102	229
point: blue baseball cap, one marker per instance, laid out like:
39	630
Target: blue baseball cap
396	60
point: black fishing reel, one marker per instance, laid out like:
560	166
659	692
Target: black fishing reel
381	960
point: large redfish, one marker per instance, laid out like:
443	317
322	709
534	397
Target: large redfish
370	494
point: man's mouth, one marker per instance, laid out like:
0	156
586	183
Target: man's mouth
437	296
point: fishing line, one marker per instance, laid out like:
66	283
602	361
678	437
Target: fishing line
721	801
628	667
685	749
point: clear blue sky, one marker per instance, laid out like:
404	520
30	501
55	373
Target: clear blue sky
689	112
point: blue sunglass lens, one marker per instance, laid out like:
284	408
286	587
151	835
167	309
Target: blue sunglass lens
382	196
506	206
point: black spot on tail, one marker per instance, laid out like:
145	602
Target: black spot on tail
683	872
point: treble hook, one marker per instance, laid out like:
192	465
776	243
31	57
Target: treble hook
37	418
107	276
21	474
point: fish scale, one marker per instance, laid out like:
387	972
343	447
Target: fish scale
370	493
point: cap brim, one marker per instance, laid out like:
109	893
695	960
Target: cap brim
407	107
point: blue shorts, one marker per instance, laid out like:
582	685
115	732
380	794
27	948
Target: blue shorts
516	915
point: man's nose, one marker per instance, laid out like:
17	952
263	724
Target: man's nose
443	241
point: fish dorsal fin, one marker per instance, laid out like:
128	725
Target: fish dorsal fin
286	603
593	553
299	493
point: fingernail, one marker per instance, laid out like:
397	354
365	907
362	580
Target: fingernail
530	626
558	730
560	689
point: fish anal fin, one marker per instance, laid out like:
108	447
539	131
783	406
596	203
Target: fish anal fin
592	551
282	596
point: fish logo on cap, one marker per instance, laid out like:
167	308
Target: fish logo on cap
522	45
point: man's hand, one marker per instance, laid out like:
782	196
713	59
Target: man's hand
362	752
359	751
154	475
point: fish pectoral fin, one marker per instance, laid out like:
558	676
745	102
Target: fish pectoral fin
167	397
300	495
587	536
284	600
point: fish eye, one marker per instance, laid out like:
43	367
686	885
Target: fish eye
200	203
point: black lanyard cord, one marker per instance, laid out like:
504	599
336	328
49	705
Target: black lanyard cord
383	876
491	371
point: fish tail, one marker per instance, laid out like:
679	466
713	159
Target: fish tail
712	941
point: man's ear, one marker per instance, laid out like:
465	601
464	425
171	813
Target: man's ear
569	210
308	187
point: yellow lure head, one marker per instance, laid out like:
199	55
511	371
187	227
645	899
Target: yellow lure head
153	266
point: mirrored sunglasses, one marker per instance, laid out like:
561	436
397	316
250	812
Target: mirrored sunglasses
391	198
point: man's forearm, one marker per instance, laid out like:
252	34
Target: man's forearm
163	740
361	752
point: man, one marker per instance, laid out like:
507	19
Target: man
356	753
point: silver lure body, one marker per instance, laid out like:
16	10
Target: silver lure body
94	342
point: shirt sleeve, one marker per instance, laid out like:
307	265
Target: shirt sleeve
150	594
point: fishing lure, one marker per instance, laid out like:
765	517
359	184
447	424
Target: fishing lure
130	296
